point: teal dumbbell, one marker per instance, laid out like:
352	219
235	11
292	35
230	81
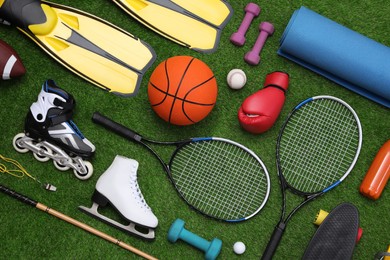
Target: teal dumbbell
211	248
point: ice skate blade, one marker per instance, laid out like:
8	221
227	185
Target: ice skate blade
126	228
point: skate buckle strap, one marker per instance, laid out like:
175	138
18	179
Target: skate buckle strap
68	105
66	115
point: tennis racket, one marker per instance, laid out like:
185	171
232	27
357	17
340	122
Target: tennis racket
317	148
217	177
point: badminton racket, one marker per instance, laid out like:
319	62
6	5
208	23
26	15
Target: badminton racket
317	148
217	177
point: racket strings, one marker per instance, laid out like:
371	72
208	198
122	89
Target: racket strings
316	162
321	141
224	203
220	179
318	145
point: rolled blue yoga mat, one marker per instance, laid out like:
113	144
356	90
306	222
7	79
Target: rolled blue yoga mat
342	55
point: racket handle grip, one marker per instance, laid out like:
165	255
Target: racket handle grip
274	241
115	127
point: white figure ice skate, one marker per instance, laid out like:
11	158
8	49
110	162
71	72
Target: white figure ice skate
118	186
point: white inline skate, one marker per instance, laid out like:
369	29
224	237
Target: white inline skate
50	133
118	187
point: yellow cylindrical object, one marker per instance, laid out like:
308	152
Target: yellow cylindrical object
321	215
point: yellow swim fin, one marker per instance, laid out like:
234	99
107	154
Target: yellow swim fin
194	24
94	49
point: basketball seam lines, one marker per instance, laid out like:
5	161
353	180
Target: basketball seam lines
177	90
181	99
182	106
151	83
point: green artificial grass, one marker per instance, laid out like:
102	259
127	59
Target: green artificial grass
28	233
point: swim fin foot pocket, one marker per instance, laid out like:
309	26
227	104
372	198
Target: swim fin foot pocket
91	47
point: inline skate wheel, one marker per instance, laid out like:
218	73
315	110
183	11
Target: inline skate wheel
86	175
60	166
17	147
43	150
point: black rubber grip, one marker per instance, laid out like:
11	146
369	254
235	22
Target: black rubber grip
23	13
18	196
274	241
115	127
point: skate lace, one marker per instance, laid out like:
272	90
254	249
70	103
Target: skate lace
138	194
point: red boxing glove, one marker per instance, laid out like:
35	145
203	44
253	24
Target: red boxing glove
260	110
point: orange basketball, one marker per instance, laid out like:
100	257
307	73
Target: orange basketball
182	90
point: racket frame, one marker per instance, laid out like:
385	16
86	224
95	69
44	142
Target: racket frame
313	195
135	137
280	227
181	144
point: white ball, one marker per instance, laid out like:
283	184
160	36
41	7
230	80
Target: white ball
239	248
236	79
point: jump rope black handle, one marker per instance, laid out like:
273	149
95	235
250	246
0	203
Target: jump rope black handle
274	241
115	127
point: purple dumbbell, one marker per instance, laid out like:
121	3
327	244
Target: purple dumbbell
252	10
253	56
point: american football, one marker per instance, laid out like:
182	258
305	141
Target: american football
11	65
